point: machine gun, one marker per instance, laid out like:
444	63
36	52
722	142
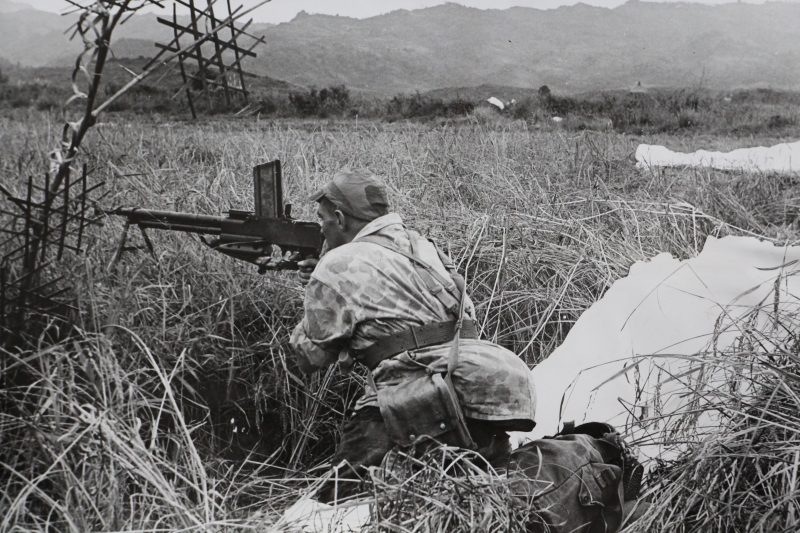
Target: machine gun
244	235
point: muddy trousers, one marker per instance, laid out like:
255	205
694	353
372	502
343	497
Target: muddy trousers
365	441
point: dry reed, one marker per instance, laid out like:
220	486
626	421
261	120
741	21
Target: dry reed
180	408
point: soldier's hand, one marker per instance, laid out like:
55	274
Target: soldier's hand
346	362
263	263
305	268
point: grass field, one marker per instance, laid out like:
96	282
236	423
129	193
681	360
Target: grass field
177	406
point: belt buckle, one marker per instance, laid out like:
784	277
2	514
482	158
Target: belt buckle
414	338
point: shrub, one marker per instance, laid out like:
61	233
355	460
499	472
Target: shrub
333	100
47	103
544	92
267	105
120	104
525	108
419	106
779	121
560	105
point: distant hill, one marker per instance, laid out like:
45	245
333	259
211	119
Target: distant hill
8	6
37	38
570	49
117	74
481	92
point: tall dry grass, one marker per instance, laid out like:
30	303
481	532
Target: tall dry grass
177	404
739	428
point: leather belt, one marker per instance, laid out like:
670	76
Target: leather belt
414	338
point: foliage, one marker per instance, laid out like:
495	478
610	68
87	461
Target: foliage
330	101
38	96
423	107
740	112
445	489
657	111
524	109
544	92
743	477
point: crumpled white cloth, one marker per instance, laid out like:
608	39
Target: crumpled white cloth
665	307
311	516
781	158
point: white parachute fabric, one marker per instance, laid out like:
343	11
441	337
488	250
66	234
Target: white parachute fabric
311	516
496	102
634	346
781	158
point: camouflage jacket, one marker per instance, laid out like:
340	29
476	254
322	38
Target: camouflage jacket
361	292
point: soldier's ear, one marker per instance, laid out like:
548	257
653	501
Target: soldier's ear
341	219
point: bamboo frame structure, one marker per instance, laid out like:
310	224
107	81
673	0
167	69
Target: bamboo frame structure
49	217
218	75
40	224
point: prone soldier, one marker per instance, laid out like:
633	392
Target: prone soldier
386	297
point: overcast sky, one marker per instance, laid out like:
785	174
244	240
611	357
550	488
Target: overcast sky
284	10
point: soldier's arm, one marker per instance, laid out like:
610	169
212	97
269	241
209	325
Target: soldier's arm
325	328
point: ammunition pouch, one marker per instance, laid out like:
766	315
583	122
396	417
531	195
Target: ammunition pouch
424	407
571	484
618	453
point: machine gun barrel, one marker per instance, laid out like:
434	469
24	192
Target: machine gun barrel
241	234
268	237
170	220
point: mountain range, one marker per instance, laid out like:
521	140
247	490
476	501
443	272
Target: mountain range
570	49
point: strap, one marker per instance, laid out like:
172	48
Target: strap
438	285
453	300
414	338
458	279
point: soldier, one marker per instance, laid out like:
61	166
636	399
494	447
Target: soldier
386	297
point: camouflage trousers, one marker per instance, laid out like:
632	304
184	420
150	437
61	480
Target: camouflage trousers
365	442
